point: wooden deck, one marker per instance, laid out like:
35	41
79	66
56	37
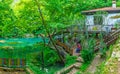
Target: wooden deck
109	39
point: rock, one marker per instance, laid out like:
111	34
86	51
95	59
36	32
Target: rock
118	54
118	45
113	54
106	63
2	41
112	70
8	47
29	36
118	59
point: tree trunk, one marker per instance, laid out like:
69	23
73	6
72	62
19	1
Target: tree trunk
47	31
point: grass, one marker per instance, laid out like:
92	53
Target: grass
118	3
70	60
85	66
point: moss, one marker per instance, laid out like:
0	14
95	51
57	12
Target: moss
13	43
115	17
95	28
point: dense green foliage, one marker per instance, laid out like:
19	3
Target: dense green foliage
50	58
20	18
7	22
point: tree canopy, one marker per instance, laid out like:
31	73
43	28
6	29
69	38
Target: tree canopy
20	17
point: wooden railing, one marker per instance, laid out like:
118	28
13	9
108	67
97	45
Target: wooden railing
12	63
109	39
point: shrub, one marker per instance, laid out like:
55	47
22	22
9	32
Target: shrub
87	55
50	57
70	60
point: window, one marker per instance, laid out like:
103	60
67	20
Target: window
98	20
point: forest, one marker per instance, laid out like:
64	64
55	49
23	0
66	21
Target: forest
42	37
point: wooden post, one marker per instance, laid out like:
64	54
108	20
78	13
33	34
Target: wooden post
12	62
18	62
4	62
23	62
0	62
9	62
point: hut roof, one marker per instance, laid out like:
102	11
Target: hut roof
107	9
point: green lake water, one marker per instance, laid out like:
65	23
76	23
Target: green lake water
19	42
14	47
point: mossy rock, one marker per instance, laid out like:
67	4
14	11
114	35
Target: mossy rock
7	48
2	41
